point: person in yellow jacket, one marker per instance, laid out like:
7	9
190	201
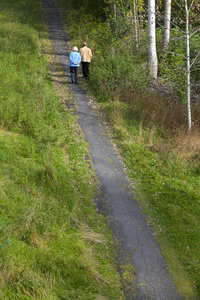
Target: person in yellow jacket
86	56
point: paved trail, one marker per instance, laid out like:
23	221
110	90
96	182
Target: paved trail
116	196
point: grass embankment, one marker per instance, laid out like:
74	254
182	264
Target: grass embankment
162	159
53	244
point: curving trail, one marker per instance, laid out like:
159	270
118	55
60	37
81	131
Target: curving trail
116	196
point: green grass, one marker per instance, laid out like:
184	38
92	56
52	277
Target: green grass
171	190
48	246
161	158
53	244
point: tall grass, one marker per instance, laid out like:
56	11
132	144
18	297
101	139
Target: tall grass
53	244
149	126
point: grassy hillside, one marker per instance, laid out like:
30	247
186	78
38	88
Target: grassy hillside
149	125
53	244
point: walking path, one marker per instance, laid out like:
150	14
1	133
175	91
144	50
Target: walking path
116	195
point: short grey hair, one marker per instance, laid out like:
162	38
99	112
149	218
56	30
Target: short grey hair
75	49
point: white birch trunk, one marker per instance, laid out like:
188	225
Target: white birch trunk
153	61
135	24
167	20
115	10
188	66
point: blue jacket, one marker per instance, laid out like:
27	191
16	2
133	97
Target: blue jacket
74	57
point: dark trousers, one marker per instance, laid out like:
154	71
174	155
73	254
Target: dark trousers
74	74
85	69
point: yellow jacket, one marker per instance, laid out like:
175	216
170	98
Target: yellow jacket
86	54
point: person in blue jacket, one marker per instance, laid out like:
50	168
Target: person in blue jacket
74	59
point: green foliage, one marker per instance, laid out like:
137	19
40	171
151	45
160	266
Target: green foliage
194	48
172	63
115	72
120	25
115	64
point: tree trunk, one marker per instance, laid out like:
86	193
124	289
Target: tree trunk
135	24
167	20
153	61
188	65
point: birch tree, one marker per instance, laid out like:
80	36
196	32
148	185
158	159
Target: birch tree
135	24
188	64
153	60
167	22
181	19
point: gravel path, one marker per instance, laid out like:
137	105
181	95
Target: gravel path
116	196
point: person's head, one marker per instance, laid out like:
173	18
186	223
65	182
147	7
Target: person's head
75	49
84	44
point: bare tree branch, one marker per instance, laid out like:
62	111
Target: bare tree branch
194	32
195	59
173	69
173	53
172	28
194	69
190	6
177	39
178	27
179	6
